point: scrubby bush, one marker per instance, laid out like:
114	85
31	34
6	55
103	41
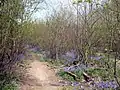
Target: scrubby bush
13	15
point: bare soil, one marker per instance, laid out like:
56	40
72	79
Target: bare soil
40	77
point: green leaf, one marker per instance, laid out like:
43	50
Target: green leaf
105	6
74	2
89	1
79	1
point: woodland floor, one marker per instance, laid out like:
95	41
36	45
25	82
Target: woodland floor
40	76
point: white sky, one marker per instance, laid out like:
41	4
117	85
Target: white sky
47	9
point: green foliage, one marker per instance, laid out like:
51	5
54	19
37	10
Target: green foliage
89	1
11	44
103	73
65	76
79	74
79	1
98	29
118	73
10	86
12	40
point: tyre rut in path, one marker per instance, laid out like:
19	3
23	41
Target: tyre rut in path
40	77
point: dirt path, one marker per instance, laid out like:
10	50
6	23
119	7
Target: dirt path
40	77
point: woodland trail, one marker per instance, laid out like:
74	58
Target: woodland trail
40	77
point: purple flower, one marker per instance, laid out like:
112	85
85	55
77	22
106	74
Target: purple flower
66	68
75	83
71	68
112	84
96	57
20	56
109	84
71	54
33	48
101	85
70	57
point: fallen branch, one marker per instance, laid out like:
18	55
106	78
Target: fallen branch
73	75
